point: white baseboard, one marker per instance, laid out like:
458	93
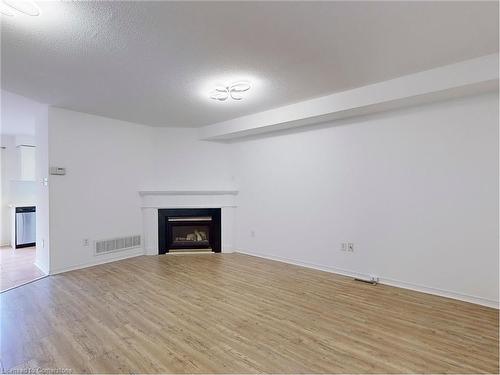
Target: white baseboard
387	281
132	254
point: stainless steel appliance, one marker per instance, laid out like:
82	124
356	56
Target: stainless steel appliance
25	226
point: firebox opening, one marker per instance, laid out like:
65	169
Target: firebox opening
189	229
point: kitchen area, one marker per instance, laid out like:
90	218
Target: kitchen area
18	204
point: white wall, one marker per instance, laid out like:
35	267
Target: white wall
42	190
181	160
108	162
18	114
415	190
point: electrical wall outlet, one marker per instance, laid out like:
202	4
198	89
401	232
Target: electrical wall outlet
85	242
347	246
252	233
374	279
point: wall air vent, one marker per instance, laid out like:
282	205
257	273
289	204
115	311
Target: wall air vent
117	244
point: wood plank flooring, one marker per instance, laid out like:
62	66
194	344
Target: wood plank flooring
17	267
232	313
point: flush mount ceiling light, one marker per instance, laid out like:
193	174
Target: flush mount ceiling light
233	91
26	7
5	10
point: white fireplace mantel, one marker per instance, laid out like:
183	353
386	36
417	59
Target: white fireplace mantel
187	192
188	198
153	200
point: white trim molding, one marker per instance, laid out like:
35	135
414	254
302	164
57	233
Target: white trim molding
188	198
143	193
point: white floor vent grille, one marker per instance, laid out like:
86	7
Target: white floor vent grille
117	244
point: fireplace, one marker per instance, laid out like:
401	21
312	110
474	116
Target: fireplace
184	229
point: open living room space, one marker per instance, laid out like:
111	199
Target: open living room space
249	187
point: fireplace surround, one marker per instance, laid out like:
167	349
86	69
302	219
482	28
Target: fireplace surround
189	229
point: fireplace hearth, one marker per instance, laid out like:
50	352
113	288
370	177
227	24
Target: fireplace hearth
185	229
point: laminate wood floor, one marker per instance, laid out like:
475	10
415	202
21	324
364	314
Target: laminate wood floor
232	313
17	267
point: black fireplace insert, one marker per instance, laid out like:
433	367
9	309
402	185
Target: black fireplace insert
189	229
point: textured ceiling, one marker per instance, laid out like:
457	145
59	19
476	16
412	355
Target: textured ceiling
153	62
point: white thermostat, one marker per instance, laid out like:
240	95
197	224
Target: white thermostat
58	171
